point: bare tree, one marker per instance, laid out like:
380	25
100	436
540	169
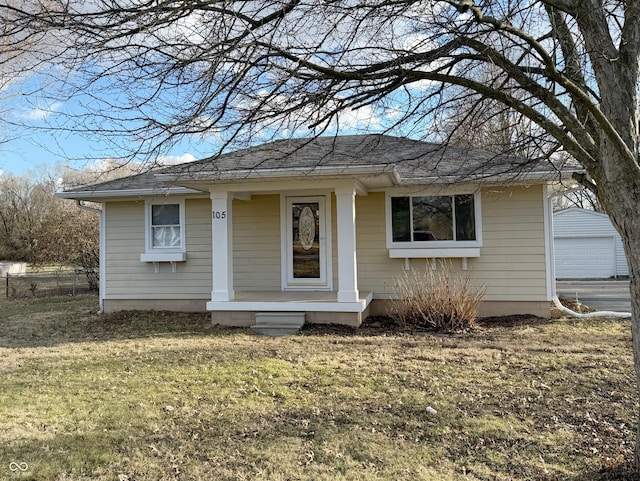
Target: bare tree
23	208
21	54
37	227
582	198
96	172
150	72
69	236
472	120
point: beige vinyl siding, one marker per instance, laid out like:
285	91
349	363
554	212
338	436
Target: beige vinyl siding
256	244
376	270
511	263
128	278
512	260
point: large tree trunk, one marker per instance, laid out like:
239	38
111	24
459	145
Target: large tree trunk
633	255
619	193
616	171
631	240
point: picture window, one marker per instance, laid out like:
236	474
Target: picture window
434	219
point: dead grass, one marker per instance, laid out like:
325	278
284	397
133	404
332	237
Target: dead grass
157	396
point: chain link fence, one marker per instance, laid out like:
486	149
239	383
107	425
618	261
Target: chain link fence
46	284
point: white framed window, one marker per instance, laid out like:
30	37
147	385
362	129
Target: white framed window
164	231
166	228
428	225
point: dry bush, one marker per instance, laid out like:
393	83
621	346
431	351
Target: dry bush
439	298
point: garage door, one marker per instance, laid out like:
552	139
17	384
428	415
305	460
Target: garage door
584	257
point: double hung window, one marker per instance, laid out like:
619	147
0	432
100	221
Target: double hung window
164	232
166	226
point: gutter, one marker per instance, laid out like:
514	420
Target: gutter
96	195
515	179
87	208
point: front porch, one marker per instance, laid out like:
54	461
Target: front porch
303	238
320	307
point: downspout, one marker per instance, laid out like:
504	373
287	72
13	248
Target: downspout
549	250
102	251
589	315
554	298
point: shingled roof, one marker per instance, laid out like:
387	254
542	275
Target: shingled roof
410	162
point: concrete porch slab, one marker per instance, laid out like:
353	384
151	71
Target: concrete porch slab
320	307
291	301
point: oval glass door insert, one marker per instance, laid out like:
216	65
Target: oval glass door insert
307	228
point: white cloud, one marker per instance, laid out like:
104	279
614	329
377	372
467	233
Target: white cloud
176	159
357	118
104	165
364	117
40	113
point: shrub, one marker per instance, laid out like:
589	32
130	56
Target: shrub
438	298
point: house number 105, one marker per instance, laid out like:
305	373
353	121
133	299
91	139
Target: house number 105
219	214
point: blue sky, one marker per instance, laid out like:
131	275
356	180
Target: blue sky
33	150
54	137
39	144
33	141
37	131
38	150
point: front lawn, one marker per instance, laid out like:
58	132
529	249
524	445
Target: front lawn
157	396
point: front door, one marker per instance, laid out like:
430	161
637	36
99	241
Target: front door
306	243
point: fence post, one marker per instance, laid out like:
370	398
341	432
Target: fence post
7	285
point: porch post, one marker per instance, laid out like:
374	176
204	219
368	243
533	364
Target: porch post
346	226
222	246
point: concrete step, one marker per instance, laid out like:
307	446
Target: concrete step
278	323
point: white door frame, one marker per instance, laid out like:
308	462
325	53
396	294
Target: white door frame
325	282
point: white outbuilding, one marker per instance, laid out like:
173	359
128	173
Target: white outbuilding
12	268
587	246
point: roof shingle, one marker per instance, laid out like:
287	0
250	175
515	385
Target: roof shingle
413	161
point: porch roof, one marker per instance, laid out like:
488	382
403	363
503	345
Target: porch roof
378	160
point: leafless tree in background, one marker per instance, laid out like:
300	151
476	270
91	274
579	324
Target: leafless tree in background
23	207
584	199
146	73
37	227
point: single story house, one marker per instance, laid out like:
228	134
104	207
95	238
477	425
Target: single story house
587	246
324	226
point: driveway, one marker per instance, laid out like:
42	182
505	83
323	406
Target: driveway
602	295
